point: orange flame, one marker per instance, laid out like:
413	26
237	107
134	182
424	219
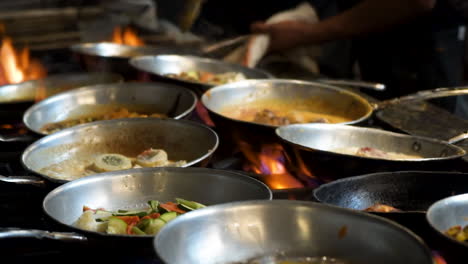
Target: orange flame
17	66
127	37
270	163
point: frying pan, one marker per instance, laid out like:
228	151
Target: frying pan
133	188
20	96
334	100
181	139
411	191
241	231
158	66
320	148
103	56
446	213
176	102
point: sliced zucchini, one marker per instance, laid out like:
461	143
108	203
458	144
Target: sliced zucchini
137	231
166	217
154	226
132	213
143	224
154	205
116	226
189	204
112	162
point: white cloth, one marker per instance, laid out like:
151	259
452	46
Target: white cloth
257	46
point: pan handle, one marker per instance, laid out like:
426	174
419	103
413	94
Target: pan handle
40	234
423	95
354	83
21	138
458	138
22	180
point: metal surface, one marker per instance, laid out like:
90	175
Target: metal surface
159	66
237	232
448	212
133	188
36	90
161	98
317	146
181	139
248	92
332	137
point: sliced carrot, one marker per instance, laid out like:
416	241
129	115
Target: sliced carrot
206	76
86	208
170	206
129	228
154	215
145	217
129	219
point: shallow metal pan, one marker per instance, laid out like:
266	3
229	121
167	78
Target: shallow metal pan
22	95
132	188
157	67
181	139
237	232
174	101
317	145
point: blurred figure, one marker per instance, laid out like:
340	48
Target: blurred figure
410	45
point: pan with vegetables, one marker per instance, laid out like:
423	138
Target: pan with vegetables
124	209
118	144
197	73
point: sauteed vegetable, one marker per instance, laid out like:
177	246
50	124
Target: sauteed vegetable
114	114
73	169
208	77
458	232
147	221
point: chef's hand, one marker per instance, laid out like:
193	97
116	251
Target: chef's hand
283	35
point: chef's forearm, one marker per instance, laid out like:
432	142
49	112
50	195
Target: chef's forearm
366	17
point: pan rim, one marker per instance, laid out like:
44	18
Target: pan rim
99	87
124	173
75	129
89	49
460	151
296	203
252	82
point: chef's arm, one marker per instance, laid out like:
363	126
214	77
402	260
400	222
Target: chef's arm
366	17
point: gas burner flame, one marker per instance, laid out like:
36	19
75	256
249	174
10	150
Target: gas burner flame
127	36
271	163
17	65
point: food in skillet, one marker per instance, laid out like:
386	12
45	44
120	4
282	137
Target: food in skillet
275	112
458	232
381	208
147	221
376	153
114	114
74	169
208	77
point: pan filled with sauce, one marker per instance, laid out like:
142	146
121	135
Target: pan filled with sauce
108	102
